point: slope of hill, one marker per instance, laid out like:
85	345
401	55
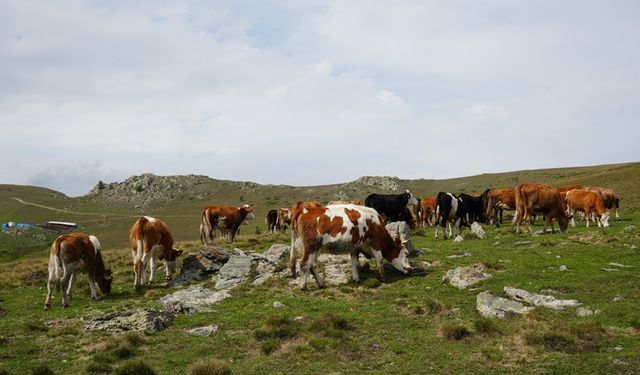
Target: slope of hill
108	210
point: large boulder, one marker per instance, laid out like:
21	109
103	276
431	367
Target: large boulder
491	306
543	300
236	271
132	320
207	261
193	299
462	277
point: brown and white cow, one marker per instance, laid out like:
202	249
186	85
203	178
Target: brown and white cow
150	239
588	202
224	218
284	219
71	253
537	198
609	198
498	200
427	211
298	209
347	229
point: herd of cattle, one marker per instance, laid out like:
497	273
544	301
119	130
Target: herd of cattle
342	226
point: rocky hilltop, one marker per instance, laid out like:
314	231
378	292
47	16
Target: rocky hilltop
143	190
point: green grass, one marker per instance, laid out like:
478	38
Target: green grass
412	324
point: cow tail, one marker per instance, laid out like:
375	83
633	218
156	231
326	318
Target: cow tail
55	264
140	238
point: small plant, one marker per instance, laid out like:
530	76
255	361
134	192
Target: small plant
453	331
269	346
331	325
42	370
278	326
209	367
97	368
417	310
371	283
635	323
123	351
436	307
63	331
486	326
492	354
36	325
552	341
134	367
134	339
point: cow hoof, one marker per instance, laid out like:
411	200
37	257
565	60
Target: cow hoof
167	278
47	307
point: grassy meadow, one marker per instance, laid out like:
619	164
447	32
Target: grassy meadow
404	325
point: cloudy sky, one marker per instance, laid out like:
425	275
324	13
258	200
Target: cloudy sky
313	92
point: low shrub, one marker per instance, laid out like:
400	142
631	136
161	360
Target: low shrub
134	367
454	331
552	341
486	326
209	367
42	370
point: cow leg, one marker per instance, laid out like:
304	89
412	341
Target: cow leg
316	273
449	225
292	255
378	256
355	262
50	282
152	270
72	281
92	288
457	227
65	286
587	214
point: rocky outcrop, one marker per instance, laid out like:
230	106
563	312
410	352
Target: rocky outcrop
132	320
462	277
491	306
543	300
202	264
380	184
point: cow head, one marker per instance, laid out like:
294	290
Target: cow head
104	282
563	221
401	262
604	219
412	200
249	212
170	261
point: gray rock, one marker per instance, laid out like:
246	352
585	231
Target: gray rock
620	265
277	252
491	306
132	320
279	305
453	256
610	269
401	229
476	229
547	301
585	311
337	269
205	331
563	268
462	277
458	238
630	227
202	264
234	272
618	298
619	362
523	243
193	299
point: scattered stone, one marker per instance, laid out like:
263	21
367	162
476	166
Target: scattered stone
192	299
458	239
619	265
583	312
610	269
618	361
630	227
132	320
618	348
496	243
476	229
563	268
205	331
462	277
279	305
618	298
630	246
547	301
491	306
459	255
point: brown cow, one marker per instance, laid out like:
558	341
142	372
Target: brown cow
609	198
427	210
531	198
298	209
146	235
71	253
224	218
587	202
352	229
564	189
284	219
497	201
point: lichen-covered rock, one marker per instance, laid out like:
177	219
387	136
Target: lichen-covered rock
207	261
236	271
193	299
402	230
491	306
477	230
462	277
543	300
132	320
205	331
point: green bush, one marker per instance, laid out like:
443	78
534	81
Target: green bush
453	331
134	367
209	367
270	345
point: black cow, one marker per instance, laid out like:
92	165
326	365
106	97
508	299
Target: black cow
473	208
272	221
449	207
391	205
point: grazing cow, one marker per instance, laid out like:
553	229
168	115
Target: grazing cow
298	209
498	200
150	238
272	221
473	208
224	218
284	219
449	207
427	210
71	253
540	198
348	228
407	217
587	201
357	202
609	198
391	205
564	189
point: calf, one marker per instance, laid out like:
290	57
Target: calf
272	221
298	209
427	210
71	253
352	229
150	238
391	205
223	218
587	202
449	207
539	198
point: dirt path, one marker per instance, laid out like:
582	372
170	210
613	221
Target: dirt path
69	212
